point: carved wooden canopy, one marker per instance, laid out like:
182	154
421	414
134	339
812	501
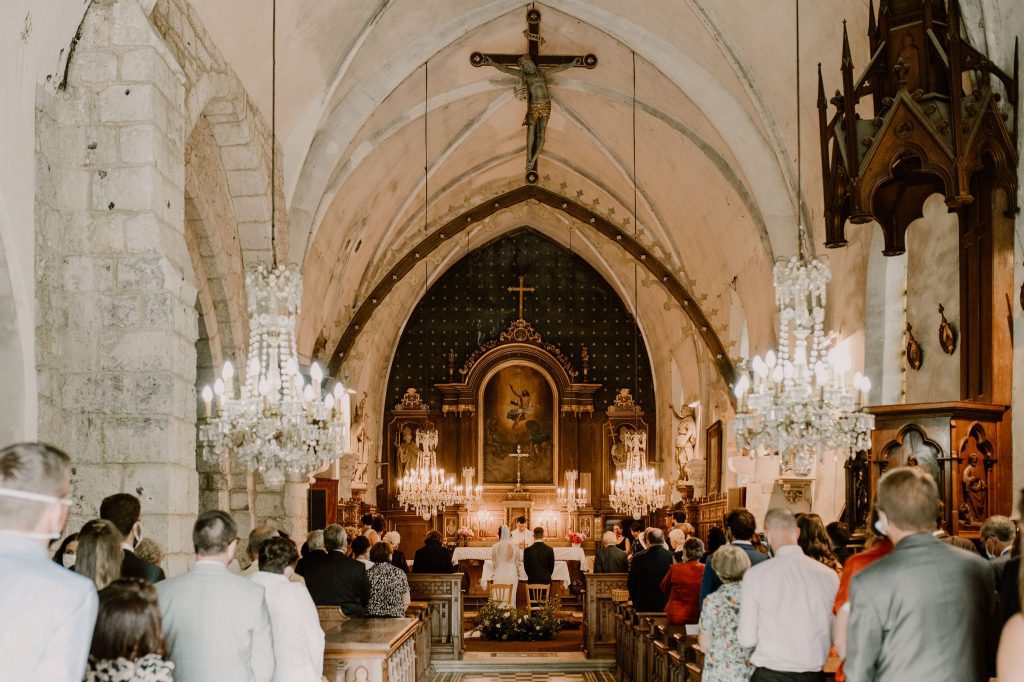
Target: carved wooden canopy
926	135
519	341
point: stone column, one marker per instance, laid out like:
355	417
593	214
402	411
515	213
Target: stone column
116	291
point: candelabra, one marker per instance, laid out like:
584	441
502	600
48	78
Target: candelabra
425	489
636	489
570	498
277	423
798	402
472	496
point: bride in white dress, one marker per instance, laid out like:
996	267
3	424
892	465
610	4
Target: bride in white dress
503	556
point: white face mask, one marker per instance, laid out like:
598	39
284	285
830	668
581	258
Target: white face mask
68	560
882	524
138	533
34	497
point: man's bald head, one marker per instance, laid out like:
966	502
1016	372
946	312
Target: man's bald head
780	525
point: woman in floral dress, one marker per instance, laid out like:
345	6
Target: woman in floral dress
724	659
389	588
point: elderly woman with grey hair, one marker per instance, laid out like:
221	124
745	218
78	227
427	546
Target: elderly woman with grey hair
397	557
724	659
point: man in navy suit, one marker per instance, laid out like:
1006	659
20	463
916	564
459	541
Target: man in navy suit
539	560
739	528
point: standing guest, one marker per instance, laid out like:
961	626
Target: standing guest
128	643
679	522
646	571
257	536
636	538
739	529
432	557
682	584
361	551
925	611
716	539
610	558
99	553
1011	644
397	556
622	542
125	512
1009	589
47	614
338	580
954	540
521	536
367	529
786	607
813	541
150	550
378	529
724	659
216	623
676	538
65	554
839	539
298	637
389	588
877	547
997	536
539	560
312	551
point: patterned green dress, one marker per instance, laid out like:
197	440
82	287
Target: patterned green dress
725	660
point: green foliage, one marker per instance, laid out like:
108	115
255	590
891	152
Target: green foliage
510	625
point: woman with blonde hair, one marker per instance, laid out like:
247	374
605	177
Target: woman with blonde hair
724	659
99	552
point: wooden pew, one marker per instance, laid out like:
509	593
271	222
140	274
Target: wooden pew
370	650
599	616
622	619
659	649
641	624
443	594
694	659
421	612
676	658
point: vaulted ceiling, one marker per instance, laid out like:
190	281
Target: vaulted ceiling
715	142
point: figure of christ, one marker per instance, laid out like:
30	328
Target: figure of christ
522	406
538	109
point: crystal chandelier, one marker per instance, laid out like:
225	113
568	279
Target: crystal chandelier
798	402
570	498
636	490
278	423
425	490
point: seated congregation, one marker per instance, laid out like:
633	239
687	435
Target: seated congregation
789	604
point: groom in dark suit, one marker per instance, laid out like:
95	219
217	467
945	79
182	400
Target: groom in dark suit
125	512
539	560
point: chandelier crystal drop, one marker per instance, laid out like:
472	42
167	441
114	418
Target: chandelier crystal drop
636	489
570	498
425	490
798	402
278	422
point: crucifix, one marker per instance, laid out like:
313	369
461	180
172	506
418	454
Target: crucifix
521	290
533	85
519	454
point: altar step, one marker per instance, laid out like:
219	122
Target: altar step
524	663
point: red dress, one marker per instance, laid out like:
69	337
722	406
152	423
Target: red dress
682	584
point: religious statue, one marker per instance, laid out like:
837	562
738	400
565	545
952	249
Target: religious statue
407	450
620	451
361	437
973	510
533	80
686	440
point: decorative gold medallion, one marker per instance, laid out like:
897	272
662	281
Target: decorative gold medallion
914	357
947	335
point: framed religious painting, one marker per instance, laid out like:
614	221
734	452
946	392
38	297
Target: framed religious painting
713	453
518	422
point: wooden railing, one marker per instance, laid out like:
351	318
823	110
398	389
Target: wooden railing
421	612
443	594
370	649
599	627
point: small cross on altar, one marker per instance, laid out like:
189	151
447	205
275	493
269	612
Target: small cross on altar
521	290
519	454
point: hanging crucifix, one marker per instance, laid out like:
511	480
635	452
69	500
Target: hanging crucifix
521	290
532	70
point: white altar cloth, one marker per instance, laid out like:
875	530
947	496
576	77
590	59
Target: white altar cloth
574	553
561	572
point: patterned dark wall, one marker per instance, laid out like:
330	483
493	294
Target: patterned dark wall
572	306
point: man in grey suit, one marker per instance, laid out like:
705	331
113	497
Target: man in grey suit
926	611
610	559
216	623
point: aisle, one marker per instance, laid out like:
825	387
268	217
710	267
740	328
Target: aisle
522	667
525	677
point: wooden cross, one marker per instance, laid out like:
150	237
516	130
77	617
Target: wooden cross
521	290
533	86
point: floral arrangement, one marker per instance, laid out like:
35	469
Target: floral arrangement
576	538
501	624
465	532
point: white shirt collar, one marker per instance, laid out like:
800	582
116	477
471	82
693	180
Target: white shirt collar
743	542
1006	551
125	545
